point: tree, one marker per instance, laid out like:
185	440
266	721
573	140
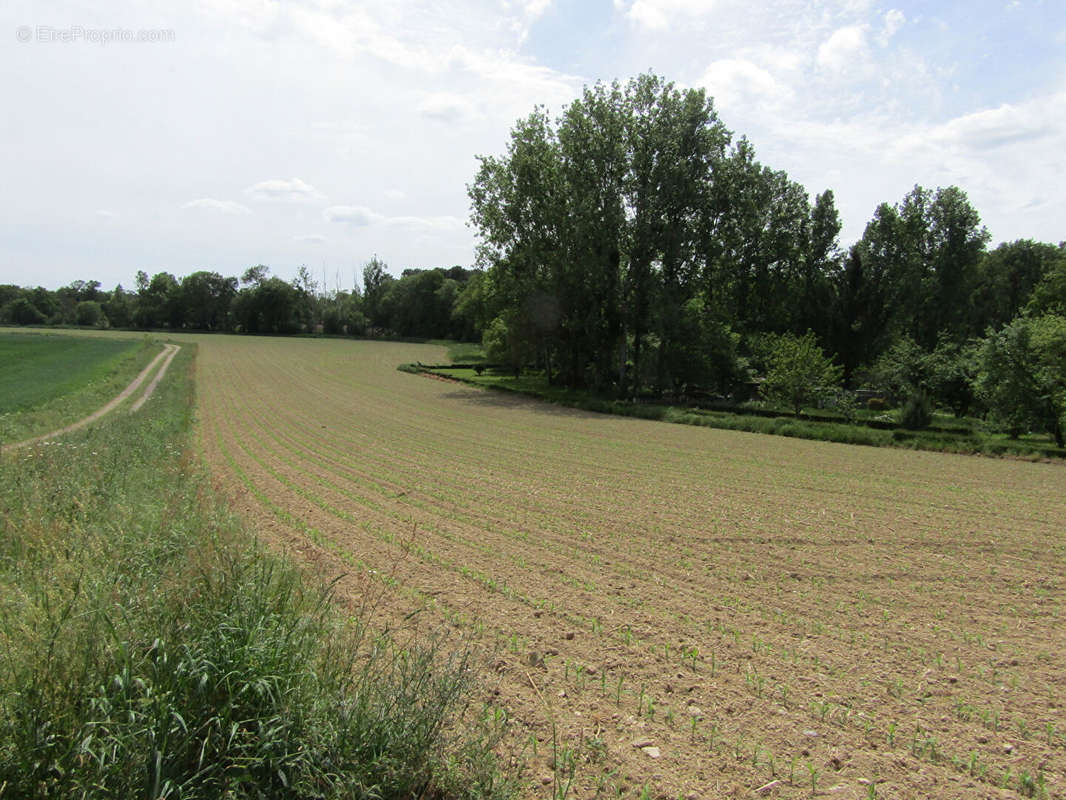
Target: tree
820	264
119	308
1021	375
272	306
472	311
799	372
254	276
1049	296
1007	278
519	206
952	370
859	312
90	314
904	369
21	311
376	281
593	228
205	299
923	253
159	302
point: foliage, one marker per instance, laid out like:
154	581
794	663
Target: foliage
1021	376
945	375
21	311
1012	275
1049	296
799	372
952	371
921	257
602	228
900	371
917	411
90	314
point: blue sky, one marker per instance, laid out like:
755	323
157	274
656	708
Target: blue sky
324	132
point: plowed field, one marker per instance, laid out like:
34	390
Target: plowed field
702	613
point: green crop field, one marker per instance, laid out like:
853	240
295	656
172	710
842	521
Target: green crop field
36	368
667	610
49	380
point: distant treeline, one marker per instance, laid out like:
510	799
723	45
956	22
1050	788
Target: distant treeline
423	304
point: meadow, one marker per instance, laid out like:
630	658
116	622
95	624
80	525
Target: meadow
663	610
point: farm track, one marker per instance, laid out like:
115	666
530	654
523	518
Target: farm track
783	587
162	361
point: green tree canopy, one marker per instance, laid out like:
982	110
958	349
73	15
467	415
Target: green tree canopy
1022	375
798	371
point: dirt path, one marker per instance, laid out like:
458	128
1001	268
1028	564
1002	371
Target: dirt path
165	356
168	357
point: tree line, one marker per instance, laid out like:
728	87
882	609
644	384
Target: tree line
421	303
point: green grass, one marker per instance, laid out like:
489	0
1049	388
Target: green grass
948	435
464	352
50	380
37	368
149	647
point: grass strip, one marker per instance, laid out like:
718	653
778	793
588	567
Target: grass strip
965	441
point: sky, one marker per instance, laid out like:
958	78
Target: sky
219	134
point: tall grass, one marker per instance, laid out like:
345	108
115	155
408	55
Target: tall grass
150	648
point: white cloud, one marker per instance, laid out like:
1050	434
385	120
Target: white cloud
361	217
279	190
442	224
105	215
446	107
527	13
894	19
395	194
1005	125
533	9
358	216
310	238
731	81
981	144
845	50
219	206
659	14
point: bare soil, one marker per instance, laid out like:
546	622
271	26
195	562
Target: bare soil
697	613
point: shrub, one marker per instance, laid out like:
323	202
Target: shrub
876	404
917	412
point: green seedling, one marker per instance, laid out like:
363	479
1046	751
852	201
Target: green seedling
813	773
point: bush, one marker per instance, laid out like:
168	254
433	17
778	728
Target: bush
90	314
876	404
917	412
